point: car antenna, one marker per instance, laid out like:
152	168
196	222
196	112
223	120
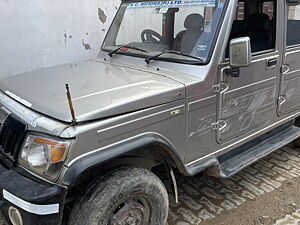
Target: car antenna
71	105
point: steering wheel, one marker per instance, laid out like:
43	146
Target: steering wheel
151	36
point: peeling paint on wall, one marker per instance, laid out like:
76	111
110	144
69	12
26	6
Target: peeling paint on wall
65	36
86	45
57	34
102	16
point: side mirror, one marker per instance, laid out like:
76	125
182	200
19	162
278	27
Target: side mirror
240	52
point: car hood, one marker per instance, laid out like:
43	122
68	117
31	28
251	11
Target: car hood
98	90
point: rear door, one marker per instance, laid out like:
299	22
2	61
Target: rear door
289	96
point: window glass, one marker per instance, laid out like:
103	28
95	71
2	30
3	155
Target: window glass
182	14
268	8
260	27
208	16
293	25
186	27
240	12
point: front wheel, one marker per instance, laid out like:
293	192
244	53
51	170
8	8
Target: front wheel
128	196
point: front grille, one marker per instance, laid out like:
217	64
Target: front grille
12	133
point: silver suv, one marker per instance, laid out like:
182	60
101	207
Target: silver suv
190	85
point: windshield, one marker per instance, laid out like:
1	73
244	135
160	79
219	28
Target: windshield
152	27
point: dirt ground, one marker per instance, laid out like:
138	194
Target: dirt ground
267	209
266	193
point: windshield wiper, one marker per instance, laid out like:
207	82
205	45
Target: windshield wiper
149	59
126	46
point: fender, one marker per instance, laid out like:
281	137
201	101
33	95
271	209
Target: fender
97	158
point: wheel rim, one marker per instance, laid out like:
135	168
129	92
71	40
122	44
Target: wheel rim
132	212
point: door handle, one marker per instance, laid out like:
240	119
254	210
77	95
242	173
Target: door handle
271	63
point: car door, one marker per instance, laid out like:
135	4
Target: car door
248	102
289	97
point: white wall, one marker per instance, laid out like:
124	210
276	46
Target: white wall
41	33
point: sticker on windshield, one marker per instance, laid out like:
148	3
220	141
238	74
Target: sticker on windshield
173	4
160	10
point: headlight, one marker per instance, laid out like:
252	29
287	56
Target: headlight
44	156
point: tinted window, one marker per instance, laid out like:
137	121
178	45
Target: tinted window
268	8
240	11
293	26
259	26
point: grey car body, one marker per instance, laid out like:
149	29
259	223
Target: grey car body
189	115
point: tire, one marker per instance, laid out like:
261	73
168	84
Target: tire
127	196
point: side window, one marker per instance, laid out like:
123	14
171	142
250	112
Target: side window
268	8
208	14
259	26
238	26
293	26
240	11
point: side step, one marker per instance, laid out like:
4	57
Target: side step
238	159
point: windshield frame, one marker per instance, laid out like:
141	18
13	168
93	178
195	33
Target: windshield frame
172	60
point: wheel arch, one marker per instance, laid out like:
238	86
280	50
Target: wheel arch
146	150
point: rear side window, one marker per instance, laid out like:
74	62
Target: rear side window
293	26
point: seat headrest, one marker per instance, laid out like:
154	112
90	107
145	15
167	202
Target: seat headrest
258	22
194	22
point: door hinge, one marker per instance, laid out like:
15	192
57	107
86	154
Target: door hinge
281	100
284	69
219	87
216	88
220	125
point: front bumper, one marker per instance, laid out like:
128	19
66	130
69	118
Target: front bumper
38	204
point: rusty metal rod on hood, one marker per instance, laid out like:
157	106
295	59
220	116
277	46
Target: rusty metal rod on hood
71	105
